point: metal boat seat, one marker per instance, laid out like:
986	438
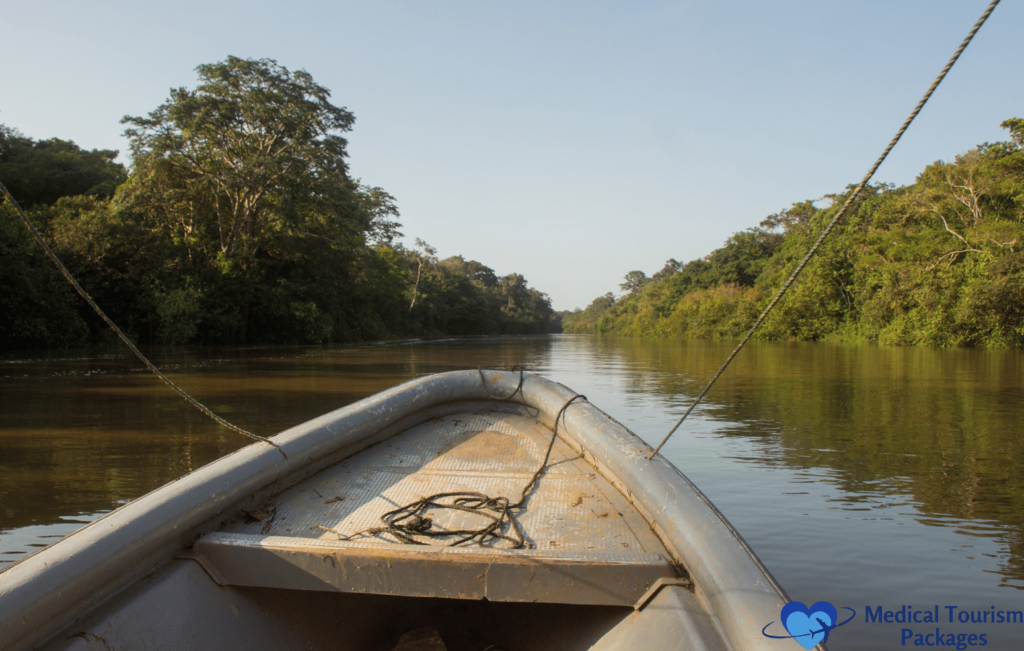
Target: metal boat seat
525	575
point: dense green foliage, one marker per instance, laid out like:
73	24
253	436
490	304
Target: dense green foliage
238	223
44	171
939	262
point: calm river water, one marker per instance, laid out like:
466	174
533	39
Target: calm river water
867	477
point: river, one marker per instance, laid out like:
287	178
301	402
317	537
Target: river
864	476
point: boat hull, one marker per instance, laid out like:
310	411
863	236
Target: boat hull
145	558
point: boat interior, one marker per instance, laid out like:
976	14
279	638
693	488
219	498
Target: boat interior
312	568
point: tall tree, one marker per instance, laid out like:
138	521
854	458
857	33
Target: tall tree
422	255
634	281
255	150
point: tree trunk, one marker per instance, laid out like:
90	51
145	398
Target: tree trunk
416	287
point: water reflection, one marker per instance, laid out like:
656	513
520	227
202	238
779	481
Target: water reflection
936	430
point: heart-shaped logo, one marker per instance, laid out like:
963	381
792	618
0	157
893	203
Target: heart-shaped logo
808	626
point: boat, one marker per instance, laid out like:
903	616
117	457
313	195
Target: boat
477	510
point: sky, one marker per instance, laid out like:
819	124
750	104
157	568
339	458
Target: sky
570	142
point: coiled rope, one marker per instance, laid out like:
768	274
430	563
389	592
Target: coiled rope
411	525
835	220
128	342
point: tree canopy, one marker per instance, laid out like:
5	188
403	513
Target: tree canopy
252	152
41	172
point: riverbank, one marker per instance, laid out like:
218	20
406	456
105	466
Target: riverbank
242	243
936	263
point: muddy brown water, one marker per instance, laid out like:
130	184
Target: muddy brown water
877	479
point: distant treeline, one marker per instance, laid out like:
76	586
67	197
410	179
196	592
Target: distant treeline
238	222
939	263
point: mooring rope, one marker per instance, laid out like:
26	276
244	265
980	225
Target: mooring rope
128	342
410	523
835	220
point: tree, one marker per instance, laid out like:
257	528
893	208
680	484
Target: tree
246	175
601	304
37	306
525	310
478	272
41	172
381	207
1016	128
742	258
671	268
1007	167
253	151
798	217
513	290
424	254
634	280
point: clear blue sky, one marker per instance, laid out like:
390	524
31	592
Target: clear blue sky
570	142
